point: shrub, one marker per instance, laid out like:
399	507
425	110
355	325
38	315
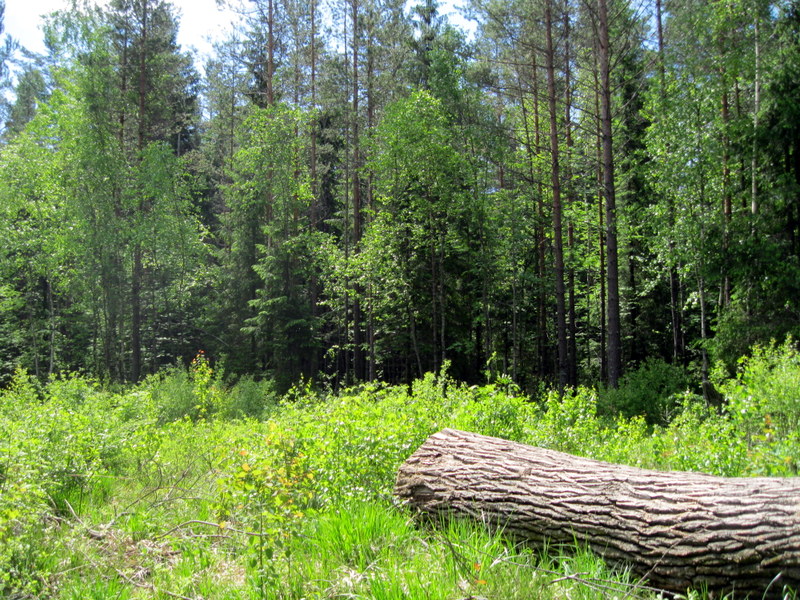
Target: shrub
764	397
763	407
172	395
701	439
54	442
495	409
649	391
357	440
568	422
248	399
194	393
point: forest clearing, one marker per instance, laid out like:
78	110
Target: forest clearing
239	290
185	487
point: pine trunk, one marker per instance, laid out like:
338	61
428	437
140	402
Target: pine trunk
677	530
613	307
558	241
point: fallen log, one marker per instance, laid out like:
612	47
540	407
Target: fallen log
677	530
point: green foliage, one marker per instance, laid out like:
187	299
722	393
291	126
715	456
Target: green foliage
210	501
568	423
195	393
699	439
273	256
756	432
649	391
97	203
268	490
492	410
54	447
767	384
356	535
767	308
377	217
126	249
356	440
416	249
763	407
249	398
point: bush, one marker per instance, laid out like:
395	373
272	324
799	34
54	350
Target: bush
249	399
495	410
763	407
172	395
182	450
649	391
55	441
701	439
195	393
568	423
765	394
357	440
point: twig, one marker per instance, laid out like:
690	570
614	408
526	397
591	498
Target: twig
210	524
129	580
576	577
151	587
102	531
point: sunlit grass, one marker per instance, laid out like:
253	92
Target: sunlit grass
100	497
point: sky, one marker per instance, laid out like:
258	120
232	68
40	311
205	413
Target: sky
201	21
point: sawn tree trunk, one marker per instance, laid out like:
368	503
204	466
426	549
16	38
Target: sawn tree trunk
678	530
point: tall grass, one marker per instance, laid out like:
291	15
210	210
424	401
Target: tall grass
185	487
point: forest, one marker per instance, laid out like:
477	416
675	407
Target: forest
358	191
236	294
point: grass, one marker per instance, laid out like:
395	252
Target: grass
366	551
102	497
361	550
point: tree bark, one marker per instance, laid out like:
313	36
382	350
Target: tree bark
606	125
601	236
677	530
543	343
572	327
558	241
676	311
358	325
137	274
270	53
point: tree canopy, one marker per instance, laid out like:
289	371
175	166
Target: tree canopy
365	192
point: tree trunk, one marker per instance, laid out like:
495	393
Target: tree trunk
756	109
543	343
270	53
727	202
678	530
601	237
613	306
558	243
137	273
313	157
358	330
676	312
572	349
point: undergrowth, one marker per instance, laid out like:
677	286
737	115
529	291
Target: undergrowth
185	487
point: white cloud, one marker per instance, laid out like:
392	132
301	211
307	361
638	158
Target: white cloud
201	21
